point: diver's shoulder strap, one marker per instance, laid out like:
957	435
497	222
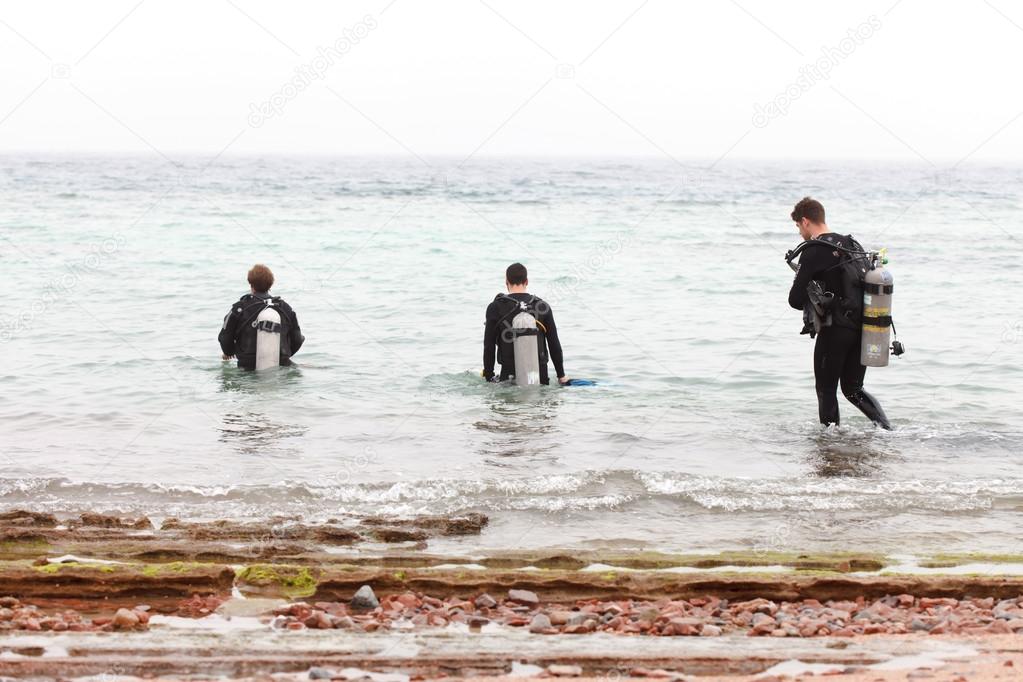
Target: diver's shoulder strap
526	305
254	305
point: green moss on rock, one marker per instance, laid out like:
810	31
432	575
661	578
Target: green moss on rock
294	582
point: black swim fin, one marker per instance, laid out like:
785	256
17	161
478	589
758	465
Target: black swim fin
868	405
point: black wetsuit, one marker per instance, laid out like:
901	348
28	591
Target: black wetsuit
238	335
836	357
499	316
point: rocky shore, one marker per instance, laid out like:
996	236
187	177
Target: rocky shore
705	617
87	594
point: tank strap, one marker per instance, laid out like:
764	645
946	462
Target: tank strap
267	326
882	321
878	290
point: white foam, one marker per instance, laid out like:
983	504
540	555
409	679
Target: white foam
455	567
796	667
926	659
910	565
212	622
359	674
69	558
601	568
525	670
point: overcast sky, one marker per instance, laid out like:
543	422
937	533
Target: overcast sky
913	80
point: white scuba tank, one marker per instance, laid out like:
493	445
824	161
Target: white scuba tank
527	352
268	338
877	317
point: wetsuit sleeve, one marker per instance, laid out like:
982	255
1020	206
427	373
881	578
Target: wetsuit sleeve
295	334
229	332
490	342
554	343
812	262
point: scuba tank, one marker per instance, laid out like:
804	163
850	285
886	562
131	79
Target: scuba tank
268	338
526	349
877	317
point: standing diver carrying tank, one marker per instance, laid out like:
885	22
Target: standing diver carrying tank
521	335
260	330
834	287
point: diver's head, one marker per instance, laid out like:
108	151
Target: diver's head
516	278
808	215
260	279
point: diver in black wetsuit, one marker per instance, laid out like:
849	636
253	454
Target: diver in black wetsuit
836	357
238	335
499	316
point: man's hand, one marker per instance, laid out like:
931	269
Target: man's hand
226	357
563	380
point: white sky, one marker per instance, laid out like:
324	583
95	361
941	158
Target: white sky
936	80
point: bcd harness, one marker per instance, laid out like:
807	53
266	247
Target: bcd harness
864	302
509	333
845	307
261	304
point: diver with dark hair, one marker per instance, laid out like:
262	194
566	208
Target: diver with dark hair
246	322
828	288
505	331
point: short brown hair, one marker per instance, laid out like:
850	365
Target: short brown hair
808	208
260	278
516	274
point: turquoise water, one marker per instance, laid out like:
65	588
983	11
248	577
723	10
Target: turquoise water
668	286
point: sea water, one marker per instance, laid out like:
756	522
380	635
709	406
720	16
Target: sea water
668	285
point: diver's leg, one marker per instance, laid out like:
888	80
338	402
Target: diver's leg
827	369
852	388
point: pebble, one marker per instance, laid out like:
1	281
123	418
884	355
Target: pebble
524	597
541	624
125	619
485	601
364	599
564	670
580	619
560	617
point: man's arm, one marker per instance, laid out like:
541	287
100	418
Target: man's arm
295	333
228	333
553	342
490	342
811	263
